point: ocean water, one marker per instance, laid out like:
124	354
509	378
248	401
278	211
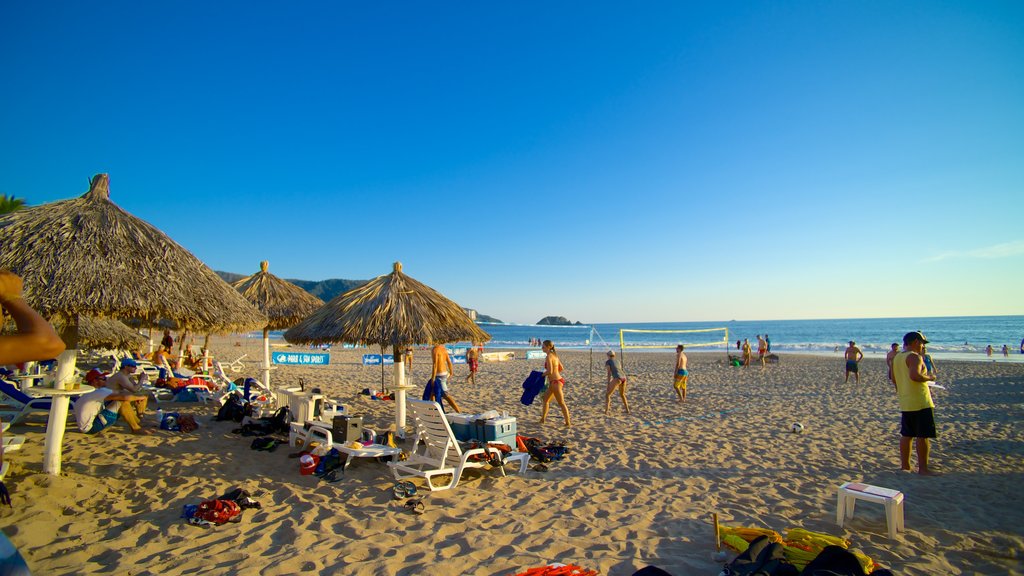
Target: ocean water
954	337
962	337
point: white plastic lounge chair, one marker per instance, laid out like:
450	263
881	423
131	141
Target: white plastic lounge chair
440	453
18	404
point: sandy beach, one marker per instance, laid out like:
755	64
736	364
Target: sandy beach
635	490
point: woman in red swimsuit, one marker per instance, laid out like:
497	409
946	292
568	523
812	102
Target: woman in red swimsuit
553	372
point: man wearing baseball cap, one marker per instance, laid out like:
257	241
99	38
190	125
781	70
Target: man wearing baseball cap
917	422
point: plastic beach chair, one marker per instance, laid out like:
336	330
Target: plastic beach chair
436	451
20	404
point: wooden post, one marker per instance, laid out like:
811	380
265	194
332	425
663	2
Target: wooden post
718	539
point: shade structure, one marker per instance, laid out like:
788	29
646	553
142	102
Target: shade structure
284	304
92	333
393	311
88	257
99	333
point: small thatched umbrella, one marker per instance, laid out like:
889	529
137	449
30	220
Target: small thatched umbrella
94	333
284	303
391	310
88	257
99	333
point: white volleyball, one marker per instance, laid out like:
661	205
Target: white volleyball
797	428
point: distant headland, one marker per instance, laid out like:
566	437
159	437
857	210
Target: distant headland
557	321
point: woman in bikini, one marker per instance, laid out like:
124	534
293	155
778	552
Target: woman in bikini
553	372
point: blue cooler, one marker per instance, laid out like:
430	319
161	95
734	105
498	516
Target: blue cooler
496	430
461	424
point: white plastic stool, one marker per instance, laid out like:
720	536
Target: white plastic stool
850	492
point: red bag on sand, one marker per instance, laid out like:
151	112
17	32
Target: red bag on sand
218	511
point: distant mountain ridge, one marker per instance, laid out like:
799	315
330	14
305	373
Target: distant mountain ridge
325	290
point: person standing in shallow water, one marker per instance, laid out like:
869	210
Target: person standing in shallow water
556	383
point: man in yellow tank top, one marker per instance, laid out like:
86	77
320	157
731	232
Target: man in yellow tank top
917	422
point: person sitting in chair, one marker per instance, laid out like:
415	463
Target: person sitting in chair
94	414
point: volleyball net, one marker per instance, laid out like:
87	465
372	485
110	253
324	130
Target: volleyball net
630	338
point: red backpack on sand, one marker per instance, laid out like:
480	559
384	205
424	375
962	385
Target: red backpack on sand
218	511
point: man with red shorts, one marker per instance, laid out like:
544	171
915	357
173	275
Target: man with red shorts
473	360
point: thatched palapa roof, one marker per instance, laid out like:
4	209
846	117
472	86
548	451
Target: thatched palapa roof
88	257
99	333
391	310
91	333
284	303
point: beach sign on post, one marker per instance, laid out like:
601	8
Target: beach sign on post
300	358
374	359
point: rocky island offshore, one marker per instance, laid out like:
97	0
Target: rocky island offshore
557	321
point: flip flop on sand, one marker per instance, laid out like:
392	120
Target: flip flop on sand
540	467
416	505
404	490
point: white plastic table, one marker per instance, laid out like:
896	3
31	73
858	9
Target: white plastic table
371	451
39	391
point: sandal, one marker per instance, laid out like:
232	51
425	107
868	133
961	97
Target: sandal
416	505
540	468
404	490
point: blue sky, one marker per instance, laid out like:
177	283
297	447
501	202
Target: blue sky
660	161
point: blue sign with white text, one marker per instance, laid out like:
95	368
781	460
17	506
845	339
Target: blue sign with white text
304	358
374	359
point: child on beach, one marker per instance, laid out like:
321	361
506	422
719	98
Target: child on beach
681	374
553	372
616	381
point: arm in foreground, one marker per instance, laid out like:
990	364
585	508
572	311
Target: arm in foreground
36	338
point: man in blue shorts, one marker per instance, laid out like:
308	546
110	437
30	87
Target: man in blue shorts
853	357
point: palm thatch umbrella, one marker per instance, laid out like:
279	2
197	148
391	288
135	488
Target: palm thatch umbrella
284	303
94	333
99	333
88	257
391	310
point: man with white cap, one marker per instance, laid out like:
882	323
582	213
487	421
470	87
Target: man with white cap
917	421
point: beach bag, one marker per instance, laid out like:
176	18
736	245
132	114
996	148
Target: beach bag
233	410
264	444
170	422
280	422
838	561
762	558
187	423
219	511
242	498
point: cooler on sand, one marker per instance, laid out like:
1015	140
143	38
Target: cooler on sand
496	430
461	424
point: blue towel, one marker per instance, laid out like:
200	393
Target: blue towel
433	392
532	386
